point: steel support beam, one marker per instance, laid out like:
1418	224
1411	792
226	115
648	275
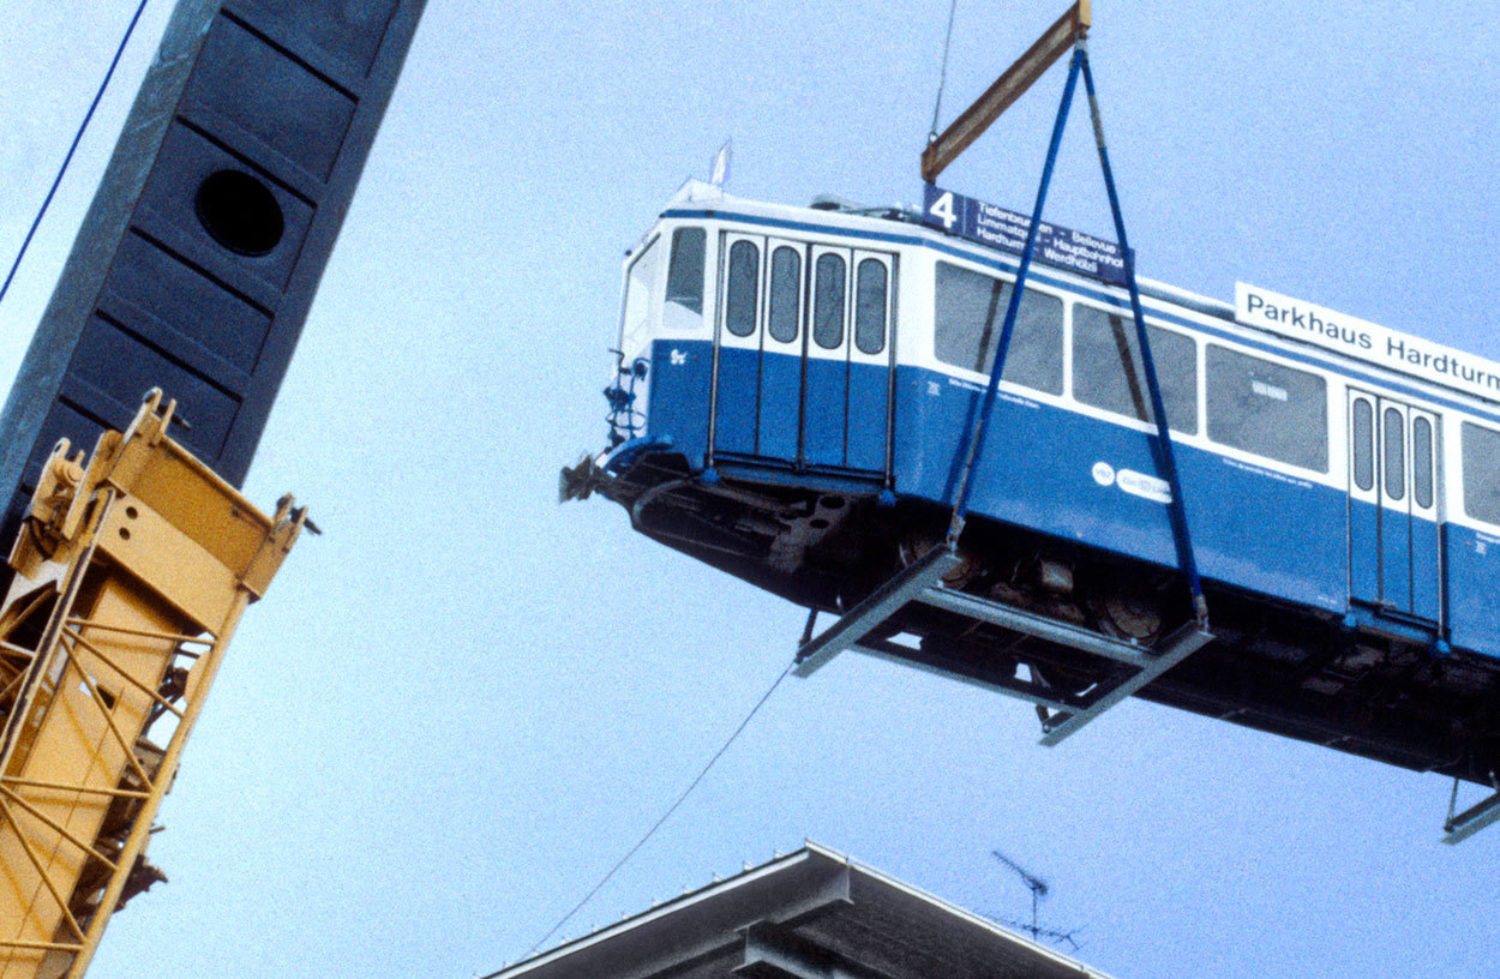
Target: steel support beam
921	582
882	603
1176	648
1019	620
1010	86
1472	820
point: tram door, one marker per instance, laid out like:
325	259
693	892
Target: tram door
804	353
737	345
1393	493
846	393
780	409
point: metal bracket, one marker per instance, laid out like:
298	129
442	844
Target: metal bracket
881	604
1472	820
1065	713
1173	650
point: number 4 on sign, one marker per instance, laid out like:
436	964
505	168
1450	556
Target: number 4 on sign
943	208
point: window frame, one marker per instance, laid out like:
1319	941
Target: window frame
776	293
861	334
840	306
674	253
1491	430
731	287
627	340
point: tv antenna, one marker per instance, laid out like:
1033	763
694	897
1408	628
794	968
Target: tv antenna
1039	890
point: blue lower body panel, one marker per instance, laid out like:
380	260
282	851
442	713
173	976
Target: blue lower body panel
681	378
1079	478
1472	562
1082	479
1364	552
825	401
1395	559
779	435
737	402
1426	572
868	419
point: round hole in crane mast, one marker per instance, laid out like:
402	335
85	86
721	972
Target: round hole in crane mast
240	212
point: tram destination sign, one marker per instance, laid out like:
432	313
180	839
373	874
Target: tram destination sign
1367	341
997	227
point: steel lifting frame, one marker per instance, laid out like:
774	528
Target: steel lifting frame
1460	826
1063	714
131	576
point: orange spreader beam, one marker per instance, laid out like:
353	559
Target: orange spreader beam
973	121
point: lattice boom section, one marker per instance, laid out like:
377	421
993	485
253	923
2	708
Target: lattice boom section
109	641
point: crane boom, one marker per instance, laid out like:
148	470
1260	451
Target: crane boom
130	576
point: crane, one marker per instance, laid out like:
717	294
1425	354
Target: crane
192	273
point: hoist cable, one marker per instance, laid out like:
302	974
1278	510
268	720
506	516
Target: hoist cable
658	824
932	134
77	138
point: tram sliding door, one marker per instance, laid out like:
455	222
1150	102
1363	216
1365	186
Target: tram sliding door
825	394
803	354
760	345
779	429
737	346
846	397
869	404
1393	491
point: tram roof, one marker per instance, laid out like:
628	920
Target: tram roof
1442	372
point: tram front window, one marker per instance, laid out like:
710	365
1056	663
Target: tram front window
684	302
639	284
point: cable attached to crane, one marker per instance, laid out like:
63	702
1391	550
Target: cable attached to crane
658	824
937	107
77	138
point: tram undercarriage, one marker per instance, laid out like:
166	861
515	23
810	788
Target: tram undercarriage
1269	666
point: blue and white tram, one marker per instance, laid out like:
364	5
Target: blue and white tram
798	384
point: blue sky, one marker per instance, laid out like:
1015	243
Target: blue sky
461	705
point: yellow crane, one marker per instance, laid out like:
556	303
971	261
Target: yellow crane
131	573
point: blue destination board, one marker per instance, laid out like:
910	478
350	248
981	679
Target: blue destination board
1000	228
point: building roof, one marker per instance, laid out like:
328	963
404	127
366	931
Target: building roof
814	914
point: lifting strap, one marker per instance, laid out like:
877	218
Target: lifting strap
1162	445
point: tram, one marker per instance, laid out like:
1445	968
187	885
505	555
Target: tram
795	392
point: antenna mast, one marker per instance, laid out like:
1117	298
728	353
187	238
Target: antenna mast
1039	890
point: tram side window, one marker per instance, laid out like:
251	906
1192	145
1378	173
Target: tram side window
1267	409
1108	372
786	286
869	307
1421	462
1364	445
1394	454
828	302
639	282
970	315
739	298
1481	451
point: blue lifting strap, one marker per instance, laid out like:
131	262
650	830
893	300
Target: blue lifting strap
1162	445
